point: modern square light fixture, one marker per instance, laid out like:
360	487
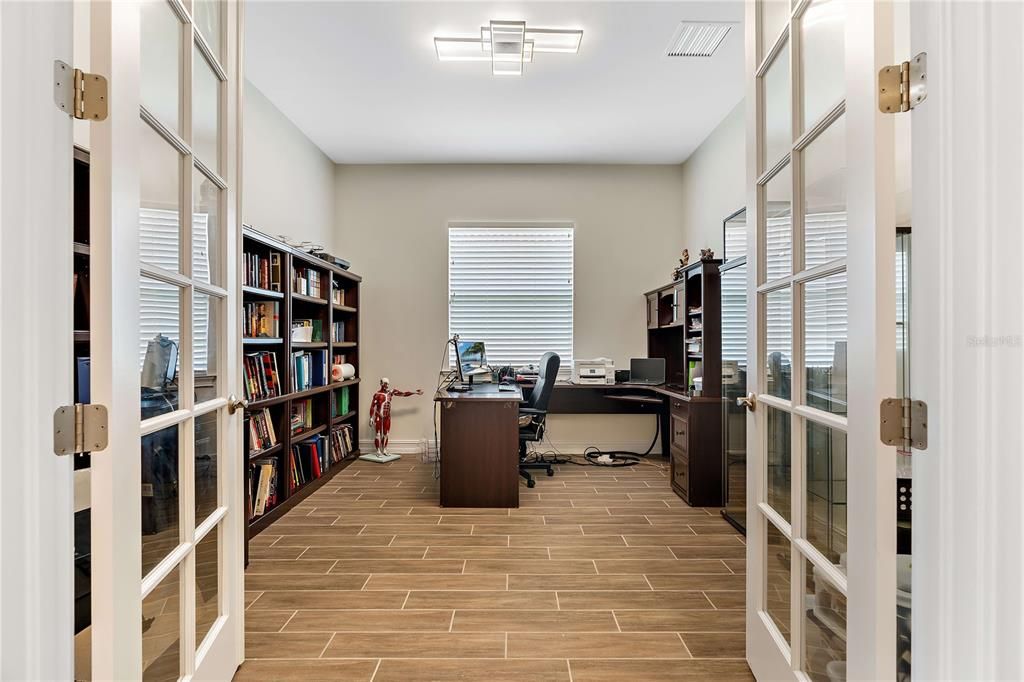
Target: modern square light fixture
507	45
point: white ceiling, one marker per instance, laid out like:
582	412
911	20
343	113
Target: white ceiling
362	81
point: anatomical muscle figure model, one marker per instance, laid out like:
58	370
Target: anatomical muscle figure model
380	420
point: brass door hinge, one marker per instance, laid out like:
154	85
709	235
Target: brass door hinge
79	428
904	423
79	94
901	87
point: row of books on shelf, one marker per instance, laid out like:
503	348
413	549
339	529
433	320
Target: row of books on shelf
262	272
309	369
342	443
261	319
263	486
337	295
308	282
261	378
338	331
261	431
307	330
307	461
341	404
302	415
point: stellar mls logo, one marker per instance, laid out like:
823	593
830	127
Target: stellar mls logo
1005	341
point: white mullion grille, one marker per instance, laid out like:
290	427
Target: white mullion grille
512	288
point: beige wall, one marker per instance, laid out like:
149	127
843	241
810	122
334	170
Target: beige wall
392	224
713	183
287	182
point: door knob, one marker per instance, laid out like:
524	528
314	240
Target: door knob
234	404
749	402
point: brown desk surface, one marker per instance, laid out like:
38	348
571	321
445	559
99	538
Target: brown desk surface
660	389
481	392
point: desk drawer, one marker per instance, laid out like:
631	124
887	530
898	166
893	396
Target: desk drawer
681	472
679	408
679	432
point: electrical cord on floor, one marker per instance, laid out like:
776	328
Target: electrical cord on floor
594	456
621	458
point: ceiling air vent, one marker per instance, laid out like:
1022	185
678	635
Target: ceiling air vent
698	38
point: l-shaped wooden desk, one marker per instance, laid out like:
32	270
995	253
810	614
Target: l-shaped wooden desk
690	427
479	438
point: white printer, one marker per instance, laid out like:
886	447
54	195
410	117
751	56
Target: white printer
596	371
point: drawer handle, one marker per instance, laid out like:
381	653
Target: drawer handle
681	433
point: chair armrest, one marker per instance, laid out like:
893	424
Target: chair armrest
531	410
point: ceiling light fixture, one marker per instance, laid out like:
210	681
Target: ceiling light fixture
507	45
698	38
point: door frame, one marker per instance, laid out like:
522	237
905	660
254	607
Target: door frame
36	490
966	282
869	584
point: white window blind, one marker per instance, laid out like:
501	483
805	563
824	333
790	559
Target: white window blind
512	288
734	315
159	307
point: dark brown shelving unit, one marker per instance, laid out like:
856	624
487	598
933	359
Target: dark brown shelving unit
298	306
684	326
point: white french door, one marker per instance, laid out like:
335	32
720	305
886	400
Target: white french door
167	526
821	324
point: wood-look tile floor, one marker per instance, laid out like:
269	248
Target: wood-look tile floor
601	574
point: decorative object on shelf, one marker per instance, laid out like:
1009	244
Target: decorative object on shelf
380	420
677	274
340	371
707	255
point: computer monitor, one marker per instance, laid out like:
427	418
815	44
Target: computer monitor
471	359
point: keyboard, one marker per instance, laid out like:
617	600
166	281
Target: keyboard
507	388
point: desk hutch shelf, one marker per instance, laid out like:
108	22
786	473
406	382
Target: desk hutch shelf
684	326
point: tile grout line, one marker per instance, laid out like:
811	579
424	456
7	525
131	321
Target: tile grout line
324	650
680	636
616	619
374	675
288	621
409	594
451	623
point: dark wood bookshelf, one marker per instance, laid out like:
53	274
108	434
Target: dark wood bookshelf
306	434
257	292
308	299
695	417
326	398
265	452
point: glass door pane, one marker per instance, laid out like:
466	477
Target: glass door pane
778	107
734	385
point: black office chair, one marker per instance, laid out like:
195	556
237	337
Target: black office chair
533	416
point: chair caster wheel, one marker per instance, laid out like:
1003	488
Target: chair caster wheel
551	472
531	483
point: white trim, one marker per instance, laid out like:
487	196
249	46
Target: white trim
36	495
967	355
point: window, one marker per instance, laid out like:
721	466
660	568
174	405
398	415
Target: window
511	286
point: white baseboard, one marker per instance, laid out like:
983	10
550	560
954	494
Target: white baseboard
412	446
